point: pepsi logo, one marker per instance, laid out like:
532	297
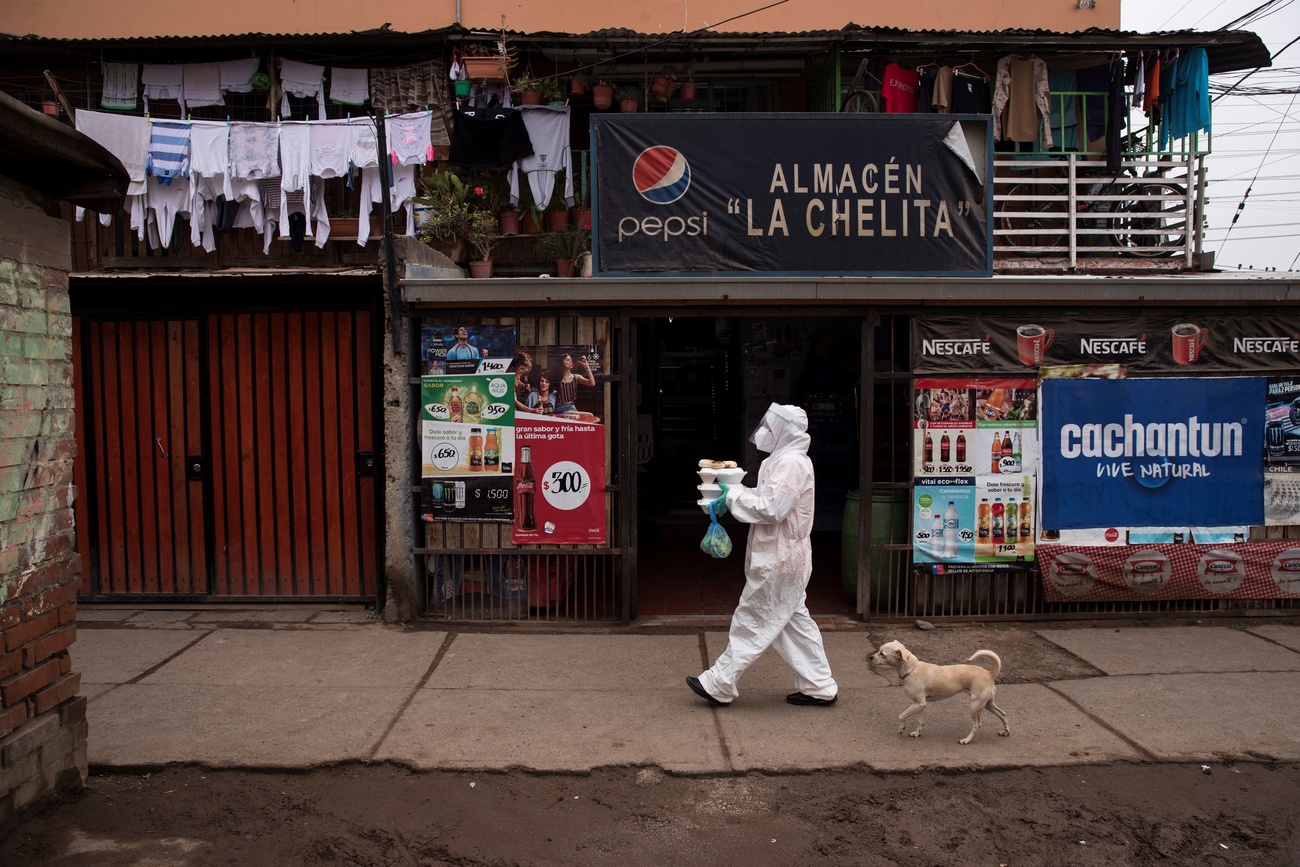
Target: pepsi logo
661	175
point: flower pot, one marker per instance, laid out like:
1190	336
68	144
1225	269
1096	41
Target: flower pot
628	106
662	87
491	68
456	251
461	87
480	268
508	222
530	223
602	95
50	107
557	220
577	86
687	90
530	97
580	217
563	267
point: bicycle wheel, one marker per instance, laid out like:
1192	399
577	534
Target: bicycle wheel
1152	221
1032	218
861	101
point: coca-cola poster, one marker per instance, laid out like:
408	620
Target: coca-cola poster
467	447
559	481
975	454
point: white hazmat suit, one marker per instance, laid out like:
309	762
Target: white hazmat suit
778	563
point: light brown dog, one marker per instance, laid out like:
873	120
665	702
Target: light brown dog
922	681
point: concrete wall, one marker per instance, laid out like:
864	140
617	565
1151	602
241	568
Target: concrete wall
42	719
94	19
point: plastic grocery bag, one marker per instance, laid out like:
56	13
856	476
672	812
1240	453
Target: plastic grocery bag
716	542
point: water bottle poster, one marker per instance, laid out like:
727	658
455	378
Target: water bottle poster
1153	452
467	448
943	520
559	482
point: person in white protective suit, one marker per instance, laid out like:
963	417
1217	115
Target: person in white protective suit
778	563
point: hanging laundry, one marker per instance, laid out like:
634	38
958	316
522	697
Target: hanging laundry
1116	118
1064	117
237	75
1188	107
169	150
168	198
1093	82
363	151
202	83
899	90
331	143
398	89
120	85
970	93
489	139
163	81
548	130
302	80
125	137
400	195
941	91
1140	82
1151	88
1022	101
295	168
254	151
349	86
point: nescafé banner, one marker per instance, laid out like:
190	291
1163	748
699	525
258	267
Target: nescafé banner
1258	570
1183	343
782	194
1152	452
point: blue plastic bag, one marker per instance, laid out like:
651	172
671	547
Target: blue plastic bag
716	542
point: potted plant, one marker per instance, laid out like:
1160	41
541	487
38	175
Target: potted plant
664	83
565	247
686	90
481	232
628	96
552	93
602	94
530	214
577	84
527	90
445	210
482	63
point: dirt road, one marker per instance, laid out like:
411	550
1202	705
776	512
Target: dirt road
1236	814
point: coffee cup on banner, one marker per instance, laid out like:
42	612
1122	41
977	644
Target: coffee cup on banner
1032	342
1188	340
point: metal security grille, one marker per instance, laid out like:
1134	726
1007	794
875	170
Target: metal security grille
474	572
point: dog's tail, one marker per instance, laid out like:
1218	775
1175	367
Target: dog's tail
997	660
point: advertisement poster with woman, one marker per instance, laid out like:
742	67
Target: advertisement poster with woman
467	447
975	449
561	444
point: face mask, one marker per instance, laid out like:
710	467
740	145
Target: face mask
764	439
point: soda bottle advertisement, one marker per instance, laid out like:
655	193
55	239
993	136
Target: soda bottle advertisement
467	448
559	482
980	433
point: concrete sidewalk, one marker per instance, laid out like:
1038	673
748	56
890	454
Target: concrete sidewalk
317	686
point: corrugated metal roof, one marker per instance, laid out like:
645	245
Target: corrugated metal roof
1228	50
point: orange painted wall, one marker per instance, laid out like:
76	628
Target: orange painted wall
96	19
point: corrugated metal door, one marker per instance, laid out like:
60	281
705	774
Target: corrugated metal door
228	456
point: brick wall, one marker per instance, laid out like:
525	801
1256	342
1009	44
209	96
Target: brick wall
42	719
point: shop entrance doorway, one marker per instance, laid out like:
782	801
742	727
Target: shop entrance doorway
703	385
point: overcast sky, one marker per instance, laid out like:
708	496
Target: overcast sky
1256	134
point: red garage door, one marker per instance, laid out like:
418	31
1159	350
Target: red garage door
227	456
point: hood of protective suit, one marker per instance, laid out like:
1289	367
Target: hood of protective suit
786	430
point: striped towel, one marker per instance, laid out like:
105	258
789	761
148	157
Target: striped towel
169	150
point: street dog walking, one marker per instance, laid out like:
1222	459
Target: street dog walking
924	681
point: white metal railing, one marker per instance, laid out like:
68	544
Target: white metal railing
1073	207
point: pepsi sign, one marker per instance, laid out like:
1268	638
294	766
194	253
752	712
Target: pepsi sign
791	194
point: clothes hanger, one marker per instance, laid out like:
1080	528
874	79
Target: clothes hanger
970	64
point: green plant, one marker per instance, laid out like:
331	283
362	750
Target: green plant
446	195
568	243
482	234
551	91
524	83
627	91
